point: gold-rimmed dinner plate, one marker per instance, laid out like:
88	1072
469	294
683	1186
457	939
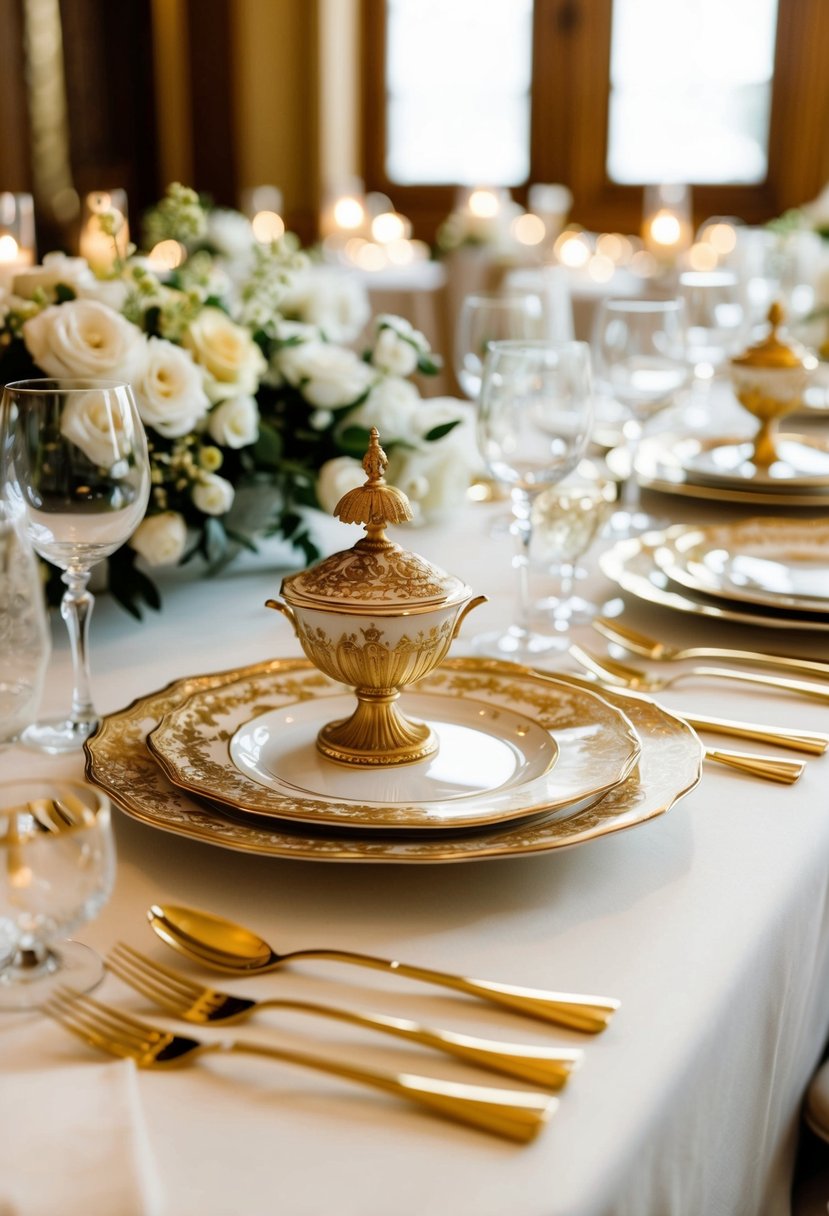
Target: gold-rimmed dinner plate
631	564
118	760
773	563
802	464
511	745
658	466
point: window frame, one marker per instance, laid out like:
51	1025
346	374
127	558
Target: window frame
569	120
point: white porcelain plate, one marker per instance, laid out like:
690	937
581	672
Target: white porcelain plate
250	746
776	563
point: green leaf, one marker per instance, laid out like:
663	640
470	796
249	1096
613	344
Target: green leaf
64	293
267	451
438	432
354	440
429	365
240	538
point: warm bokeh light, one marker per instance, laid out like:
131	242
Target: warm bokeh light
528	229
348	212
616	247
167	255
267	227
644	264
723	237
9	248
601	268
370	256
702	256
483	203
665	229
401	253
388	226
572	249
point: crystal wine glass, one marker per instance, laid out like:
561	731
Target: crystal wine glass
641	360
57	868
487	317
74	467
534	421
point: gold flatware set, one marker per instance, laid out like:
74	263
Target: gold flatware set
515	1114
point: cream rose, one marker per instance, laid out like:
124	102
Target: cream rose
337	477
170	390
160	539
233	362
329	376
234	422
95	424
56	268
85	338
213	495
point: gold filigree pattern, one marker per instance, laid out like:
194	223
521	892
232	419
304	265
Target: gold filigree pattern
368	576
117	759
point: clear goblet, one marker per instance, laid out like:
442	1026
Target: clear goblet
57	868
534	421
641	360
567	519
74	467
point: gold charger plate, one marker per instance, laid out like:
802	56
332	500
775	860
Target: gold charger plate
118	760
250	746
658	467
774	563
631	564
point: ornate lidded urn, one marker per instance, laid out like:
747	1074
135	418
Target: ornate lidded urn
376	617
769	380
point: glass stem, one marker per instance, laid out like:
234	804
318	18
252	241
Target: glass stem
76	609
523	529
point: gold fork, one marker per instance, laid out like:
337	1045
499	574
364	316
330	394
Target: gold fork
546	1066
769	768
517	1115
632	677
650	648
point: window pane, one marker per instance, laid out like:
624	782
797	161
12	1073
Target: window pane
458	91
690	90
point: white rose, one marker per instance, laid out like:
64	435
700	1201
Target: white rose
434	478
337	477
393	354
84	338
334	301
56	268
234	422
213	495
160	539
170	390
233	362
329	376
112	292
94	423
391	406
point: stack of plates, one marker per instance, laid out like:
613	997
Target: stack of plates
770	572
526	763
720	468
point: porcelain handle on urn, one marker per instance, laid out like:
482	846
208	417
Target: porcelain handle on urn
475	602
286	610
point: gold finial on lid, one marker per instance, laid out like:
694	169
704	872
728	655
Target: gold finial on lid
375	503
772	351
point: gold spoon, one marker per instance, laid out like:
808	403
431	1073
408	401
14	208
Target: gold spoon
224	946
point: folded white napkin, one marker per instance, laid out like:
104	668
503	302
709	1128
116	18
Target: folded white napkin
73	1141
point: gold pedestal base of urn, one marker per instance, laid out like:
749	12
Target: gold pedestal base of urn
377	735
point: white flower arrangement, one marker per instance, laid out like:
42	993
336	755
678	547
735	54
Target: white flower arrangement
241	379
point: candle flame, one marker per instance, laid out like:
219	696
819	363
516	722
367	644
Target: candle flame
9	248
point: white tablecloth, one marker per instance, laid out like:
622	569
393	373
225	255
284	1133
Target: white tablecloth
711	924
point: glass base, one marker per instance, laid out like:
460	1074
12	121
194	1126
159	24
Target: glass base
71	965
518	645
57	735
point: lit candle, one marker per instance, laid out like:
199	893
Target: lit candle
666	227
17	236
105	232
